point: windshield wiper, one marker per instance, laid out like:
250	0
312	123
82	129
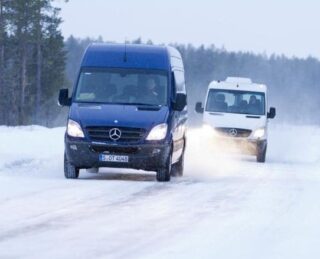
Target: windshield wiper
112	103
142	104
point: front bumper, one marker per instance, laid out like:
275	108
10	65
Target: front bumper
252	146
148	156
245	145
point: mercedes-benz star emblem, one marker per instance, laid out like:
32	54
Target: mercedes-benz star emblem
233	132
115	134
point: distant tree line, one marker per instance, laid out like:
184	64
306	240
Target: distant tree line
32	61
35	62
293	83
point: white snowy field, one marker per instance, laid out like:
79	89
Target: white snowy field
226	206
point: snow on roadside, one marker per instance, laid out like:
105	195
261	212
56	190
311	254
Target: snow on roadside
287	145
35	150
30	149
294	144
226	206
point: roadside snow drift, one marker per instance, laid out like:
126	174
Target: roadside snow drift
226	205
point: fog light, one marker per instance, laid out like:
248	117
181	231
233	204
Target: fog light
73	147
156	151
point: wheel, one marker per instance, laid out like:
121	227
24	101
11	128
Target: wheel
163	174
70	171
261	156
177	168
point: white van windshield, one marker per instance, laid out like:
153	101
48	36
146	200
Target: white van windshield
123	86
242	102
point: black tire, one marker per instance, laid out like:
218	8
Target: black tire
70	171
261	155
163	174
177	168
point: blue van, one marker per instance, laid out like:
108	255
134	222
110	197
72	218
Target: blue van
128	109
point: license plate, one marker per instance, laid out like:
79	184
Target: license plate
114	158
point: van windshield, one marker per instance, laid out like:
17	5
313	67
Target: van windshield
123	86
242	102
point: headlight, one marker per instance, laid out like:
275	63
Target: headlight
259	133
208	131
158	132
74	129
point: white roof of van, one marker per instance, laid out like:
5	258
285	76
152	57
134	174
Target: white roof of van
238	80
238	83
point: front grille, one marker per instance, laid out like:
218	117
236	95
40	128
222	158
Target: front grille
240	133
115	150
128	134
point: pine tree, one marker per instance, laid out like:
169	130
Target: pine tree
49	57
35	59
3	38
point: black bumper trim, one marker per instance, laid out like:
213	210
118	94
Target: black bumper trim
149	157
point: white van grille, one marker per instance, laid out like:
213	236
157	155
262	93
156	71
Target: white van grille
234	132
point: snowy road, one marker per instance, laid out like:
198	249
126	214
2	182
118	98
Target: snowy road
226	206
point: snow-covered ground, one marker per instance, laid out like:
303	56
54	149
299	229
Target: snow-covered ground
226	206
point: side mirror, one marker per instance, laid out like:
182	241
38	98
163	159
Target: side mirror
64	99
272	113
180	103
199	108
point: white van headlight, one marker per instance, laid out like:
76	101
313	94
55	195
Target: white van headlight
74	129
208	131
158	132
207	128
259	133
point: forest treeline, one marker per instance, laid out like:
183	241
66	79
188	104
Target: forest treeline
293	83
32	61
36	61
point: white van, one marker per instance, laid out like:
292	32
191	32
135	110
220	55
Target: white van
236	109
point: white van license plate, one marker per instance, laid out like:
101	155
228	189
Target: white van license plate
114	158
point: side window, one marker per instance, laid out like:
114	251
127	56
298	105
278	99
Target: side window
179	80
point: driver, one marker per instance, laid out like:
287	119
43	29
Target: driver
254	105
151	95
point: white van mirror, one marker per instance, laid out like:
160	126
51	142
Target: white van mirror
272	113
199	108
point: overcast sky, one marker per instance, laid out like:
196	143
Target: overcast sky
291	27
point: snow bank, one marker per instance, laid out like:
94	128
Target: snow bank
30	149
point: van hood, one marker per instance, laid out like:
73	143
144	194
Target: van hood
117	115
233	120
